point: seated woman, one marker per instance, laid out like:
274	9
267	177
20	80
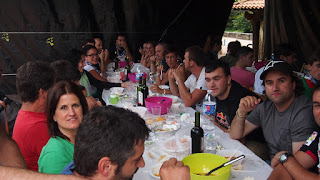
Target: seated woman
66	106
149	55
173	62
92	62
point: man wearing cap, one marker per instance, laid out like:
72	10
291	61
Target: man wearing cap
285	117
282	52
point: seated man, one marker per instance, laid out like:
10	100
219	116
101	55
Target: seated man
193	90
159	58
313	77
30	131
103	55
121	49
172	59
287	166
282	52
226	91
239	72
230	57
285	118
113	149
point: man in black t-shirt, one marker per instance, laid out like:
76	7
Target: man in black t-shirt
226	92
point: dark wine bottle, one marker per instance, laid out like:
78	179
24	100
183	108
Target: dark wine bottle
116	61
127	69
140	92
145	90
197	135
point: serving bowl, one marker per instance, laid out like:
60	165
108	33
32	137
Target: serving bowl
163	102
201	163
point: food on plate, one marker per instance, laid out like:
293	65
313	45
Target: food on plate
167	127
149	121
184	140
237	167
159	118
162	157
151	155
231	158
156	171
219	147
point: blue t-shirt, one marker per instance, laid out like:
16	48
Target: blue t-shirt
68	169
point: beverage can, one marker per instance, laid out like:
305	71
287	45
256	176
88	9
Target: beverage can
209	107
138	76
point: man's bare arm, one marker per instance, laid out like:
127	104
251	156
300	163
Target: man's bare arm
10	154
10	173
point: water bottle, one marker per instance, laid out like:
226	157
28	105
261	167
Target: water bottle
210	143
209	105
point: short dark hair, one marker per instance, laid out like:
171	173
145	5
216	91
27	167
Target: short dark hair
243	51
122	35
171	49
315	57
211	41
87	48
217	64
54	94
65	71
233	47
86	41
74	56
283	49
31	77
196	54
107	131
163	44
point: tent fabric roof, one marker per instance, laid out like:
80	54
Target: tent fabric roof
248	4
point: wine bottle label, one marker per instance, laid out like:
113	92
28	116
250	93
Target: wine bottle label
140	98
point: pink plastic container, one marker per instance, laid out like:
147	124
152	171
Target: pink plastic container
164	102
132	77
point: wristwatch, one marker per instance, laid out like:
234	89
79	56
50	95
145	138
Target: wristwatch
284	157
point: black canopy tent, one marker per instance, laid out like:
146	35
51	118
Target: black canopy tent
44	29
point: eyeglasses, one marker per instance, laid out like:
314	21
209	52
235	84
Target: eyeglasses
92	55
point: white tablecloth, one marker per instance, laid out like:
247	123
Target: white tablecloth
253	166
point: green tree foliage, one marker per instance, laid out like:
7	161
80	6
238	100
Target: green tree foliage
237	22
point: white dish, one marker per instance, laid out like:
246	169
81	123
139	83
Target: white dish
164	87
177	144
139	110
117	90
174	98
155	170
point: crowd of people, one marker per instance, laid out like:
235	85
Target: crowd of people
63	126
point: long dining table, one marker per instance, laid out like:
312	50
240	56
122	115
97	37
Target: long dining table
253	167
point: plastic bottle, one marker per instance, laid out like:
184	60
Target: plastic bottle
209	105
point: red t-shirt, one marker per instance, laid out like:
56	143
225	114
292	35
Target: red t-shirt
31	134
243	77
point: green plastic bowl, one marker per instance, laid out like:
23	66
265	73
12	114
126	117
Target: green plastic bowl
202	163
